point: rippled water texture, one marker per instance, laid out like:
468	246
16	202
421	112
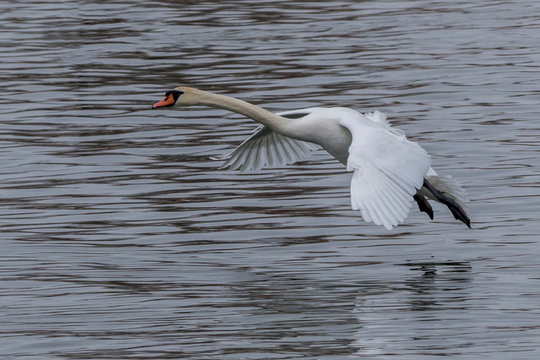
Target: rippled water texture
122	240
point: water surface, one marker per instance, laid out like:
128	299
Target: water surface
121	239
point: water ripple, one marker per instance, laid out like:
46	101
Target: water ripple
122	239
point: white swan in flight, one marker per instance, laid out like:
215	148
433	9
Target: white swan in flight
389	171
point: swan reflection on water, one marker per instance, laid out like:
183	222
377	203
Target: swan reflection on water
411	312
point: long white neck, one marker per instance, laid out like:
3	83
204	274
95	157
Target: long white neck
273	121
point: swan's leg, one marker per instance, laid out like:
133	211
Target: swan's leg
424	205
456	210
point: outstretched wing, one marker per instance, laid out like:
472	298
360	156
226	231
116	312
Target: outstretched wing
266	148
388	170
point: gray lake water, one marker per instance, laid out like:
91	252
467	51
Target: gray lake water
121	239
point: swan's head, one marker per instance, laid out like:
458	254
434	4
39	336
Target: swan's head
181	95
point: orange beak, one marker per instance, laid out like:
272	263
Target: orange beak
167	101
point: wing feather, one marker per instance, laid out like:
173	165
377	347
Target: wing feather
282	146
258	155
387	169
250	156
277	159
296	151
391	204
266	148
377	117
239	158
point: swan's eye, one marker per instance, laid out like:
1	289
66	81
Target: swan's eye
175	93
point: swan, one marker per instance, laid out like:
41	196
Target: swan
389	171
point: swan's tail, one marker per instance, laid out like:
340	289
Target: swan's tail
447	191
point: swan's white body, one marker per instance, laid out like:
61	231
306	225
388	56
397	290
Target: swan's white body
388	169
